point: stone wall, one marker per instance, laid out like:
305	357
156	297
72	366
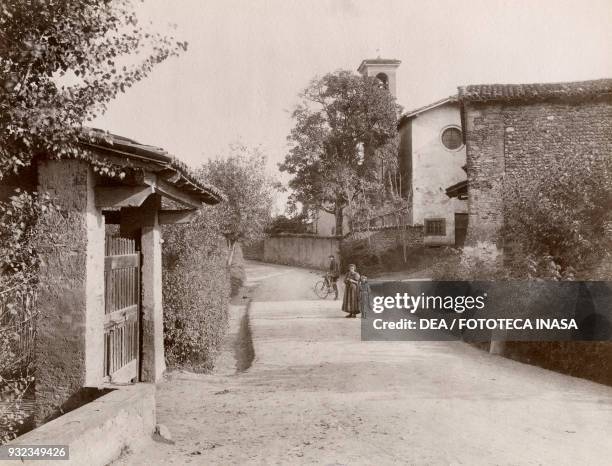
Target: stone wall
389	238
484	134
505	141
301	250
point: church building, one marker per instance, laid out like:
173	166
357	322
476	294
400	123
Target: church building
432	158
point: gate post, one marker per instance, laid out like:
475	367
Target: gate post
153	360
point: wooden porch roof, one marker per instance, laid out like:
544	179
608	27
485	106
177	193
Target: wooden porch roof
458	190
161	171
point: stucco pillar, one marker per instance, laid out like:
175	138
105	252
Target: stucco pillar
70	341
153	362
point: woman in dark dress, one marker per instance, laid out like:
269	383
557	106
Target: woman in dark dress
350	302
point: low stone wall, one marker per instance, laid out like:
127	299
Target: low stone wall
301	250
383	239
98	432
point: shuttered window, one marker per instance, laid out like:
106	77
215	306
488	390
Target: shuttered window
435	227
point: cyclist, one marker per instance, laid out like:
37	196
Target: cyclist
333	275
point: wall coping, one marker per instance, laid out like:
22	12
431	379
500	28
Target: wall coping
305	235
390	227
98	431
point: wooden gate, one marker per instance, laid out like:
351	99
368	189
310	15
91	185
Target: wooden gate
121	310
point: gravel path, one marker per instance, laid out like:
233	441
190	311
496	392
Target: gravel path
316	394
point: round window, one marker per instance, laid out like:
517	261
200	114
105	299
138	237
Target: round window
452	138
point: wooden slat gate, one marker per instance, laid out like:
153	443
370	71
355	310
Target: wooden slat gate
122	310
461	225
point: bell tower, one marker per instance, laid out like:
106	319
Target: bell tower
382	68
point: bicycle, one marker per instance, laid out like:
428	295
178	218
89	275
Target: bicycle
323	288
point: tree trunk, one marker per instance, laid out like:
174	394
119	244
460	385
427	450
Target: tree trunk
339	220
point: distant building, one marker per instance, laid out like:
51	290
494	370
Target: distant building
432	157
513	129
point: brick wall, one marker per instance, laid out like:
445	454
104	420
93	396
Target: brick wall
505	141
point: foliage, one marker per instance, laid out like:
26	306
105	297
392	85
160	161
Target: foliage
17	315
196	289
284	224
250	194
360	253
557	219
341	125
374	261
482	261
61	63
18	285
18	218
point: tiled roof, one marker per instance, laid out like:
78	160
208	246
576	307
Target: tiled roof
535	92
155	159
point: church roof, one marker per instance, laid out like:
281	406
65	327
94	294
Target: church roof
535	91
412	113
378	61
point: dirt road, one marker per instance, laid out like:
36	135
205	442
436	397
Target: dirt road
316	394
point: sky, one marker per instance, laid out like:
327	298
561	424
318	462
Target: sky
248	59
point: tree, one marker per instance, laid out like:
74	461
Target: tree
284	224
61	63
341	124
250	194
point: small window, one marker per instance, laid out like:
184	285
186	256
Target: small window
435	227
452	138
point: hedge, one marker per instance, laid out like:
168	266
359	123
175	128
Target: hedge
196	292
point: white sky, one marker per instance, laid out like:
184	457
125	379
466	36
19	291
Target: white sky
248	59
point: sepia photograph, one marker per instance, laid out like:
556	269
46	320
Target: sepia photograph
290	232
